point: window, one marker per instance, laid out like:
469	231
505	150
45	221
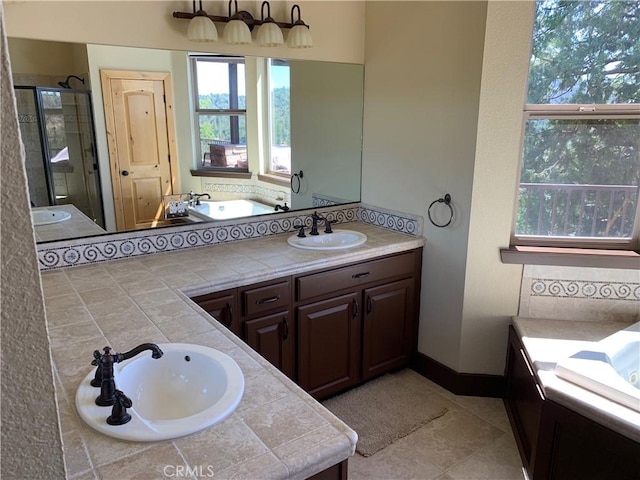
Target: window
279	118
580	171
220	107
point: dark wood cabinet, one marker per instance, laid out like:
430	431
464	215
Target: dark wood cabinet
387	333
267	325
223	307
573	447
356	322
331	329
273	337
555	442
523	400
329	345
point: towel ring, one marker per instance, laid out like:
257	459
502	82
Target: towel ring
447	201
297	176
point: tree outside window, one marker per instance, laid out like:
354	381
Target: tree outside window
580	173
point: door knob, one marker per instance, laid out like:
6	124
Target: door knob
124	173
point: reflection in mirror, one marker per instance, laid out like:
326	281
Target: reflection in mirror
326	102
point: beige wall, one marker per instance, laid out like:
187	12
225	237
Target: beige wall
337	27
422	91
492	288
31	444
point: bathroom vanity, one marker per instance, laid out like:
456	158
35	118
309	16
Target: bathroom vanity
290	304
562	430
329	329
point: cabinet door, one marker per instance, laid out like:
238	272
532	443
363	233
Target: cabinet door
221	306
523	401
572	447
273	337
387	327
329	345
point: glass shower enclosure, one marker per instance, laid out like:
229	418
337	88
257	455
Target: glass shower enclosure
57	130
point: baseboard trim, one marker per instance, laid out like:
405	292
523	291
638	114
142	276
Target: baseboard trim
472	384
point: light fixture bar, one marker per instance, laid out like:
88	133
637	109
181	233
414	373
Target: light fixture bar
245	16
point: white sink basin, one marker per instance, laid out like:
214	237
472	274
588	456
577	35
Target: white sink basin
189	388
45	217
338	240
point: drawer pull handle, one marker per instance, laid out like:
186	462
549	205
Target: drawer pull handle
230	316
358	276
264	301
285	328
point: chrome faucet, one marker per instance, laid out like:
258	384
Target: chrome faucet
104	373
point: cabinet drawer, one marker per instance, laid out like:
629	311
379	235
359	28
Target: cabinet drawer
319	284
266	299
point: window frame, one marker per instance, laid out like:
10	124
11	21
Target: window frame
575	112
234	113
279	176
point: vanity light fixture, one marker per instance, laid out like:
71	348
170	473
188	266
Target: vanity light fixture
201	27
237	32
239	26
269	33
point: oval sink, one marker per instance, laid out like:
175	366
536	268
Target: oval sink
189	388
338	240
45	217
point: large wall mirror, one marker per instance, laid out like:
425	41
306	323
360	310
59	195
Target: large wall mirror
64	115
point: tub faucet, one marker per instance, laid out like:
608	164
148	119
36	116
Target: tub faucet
104	373
195	197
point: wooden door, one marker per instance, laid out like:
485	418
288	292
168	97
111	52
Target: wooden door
141	136
387	327
273	337
329	345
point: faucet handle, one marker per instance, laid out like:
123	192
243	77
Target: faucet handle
327	225
301	233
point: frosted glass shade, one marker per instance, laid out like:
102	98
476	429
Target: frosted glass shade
269	35
299	37
202	29
237	33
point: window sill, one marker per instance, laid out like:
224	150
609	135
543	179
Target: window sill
571	257
218	173
275	179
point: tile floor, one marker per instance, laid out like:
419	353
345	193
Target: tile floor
472	441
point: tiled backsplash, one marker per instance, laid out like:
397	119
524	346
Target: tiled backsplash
577	293
83	251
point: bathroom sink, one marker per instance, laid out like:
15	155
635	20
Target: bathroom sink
189	388
338	240
45	217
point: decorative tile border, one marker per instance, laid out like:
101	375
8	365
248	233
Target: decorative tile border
584	289
84	251
249	188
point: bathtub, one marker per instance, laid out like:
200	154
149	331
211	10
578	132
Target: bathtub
611	368
227	209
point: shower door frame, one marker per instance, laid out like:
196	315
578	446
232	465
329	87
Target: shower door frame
44	145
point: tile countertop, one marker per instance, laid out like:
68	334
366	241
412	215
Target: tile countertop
277	431
79	225
549	341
